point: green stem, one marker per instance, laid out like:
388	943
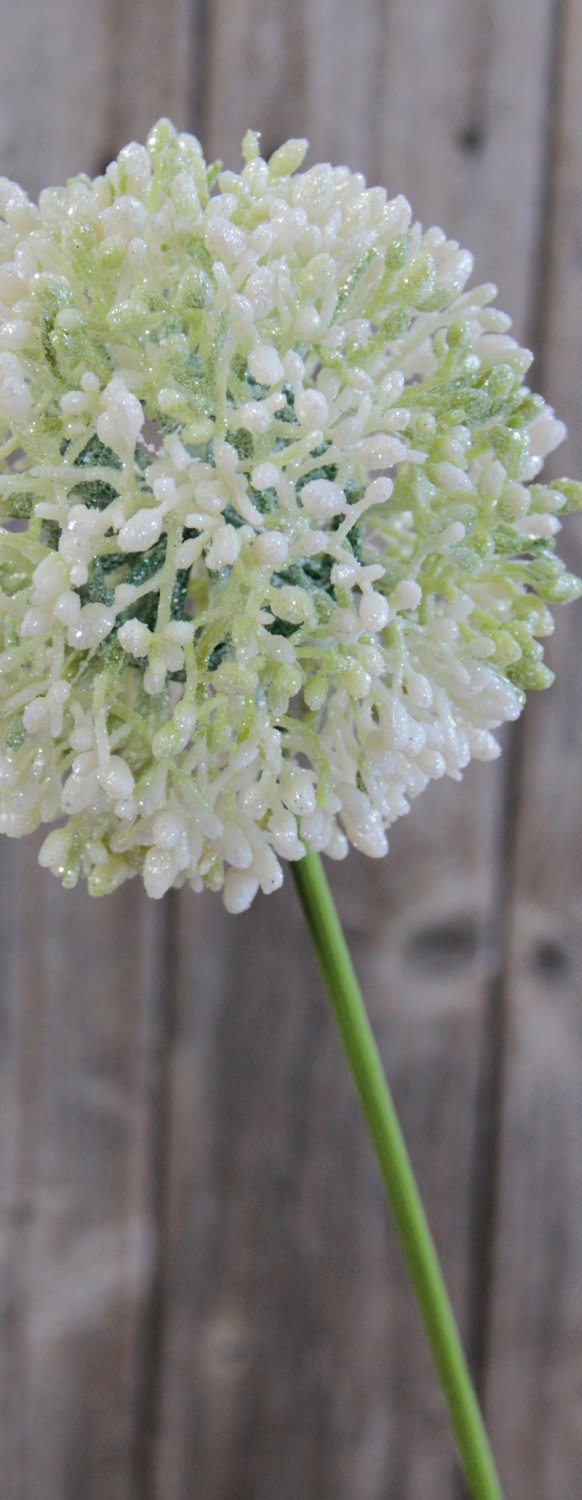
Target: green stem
415	1236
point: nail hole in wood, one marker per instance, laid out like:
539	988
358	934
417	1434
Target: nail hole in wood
443	948
472	139
229	1350
550	959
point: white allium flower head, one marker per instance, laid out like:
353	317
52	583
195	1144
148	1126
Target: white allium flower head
273	553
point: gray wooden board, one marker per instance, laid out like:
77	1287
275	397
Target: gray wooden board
16	1050
201	1290
291	1346
82	983
535	1374
88	1251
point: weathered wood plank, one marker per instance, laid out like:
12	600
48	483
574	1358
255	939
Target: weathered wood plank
421	96
87	1257
79	81
54	105
535	1373
17	1051
152	67
290	1343
82	982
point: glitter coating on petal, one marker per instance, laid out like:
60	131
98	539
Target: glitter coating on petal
274	553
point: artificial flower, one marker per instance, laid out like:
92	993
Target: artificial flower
274	553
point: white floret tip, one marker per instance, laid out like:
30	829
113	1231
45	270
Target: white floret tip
273	553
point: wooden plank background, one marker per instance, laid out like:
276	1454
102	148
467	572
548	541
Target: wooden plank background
201	1294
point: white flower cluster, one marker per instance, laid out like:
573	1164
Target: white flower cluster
270	559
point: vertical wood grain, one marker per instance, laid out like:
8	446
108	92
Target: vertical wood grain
200	1290
17	1024
292	1356
535	1370
82	981
441	100
87	1255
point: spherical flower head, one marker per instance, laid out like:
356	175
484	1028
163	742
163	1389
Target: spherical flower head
273	553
